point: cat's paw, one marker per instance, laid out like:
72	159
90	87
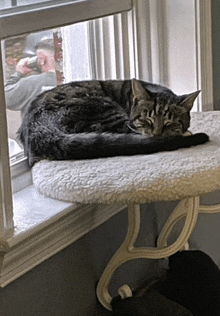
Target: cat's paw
187	133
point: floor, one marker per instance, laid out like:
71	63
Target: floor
101	311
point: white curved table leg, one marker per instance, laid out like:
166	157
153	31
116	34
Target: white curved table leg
179	212
209	209
127	251
120	257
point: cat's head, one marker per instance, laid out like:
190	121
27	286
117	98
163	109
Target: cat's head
160	113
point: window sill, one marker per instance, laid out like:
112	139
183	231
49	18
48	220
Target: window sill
43	227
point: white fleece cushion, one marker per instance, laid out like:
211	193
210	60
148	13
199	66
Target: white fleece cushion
140	179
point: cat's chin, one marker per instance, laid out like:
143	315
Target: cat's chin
187	133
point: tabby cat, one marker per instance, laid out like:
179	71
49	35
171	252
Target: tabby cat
92	119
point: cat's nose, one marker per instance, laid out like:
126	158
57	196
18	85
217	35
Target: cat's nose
157	129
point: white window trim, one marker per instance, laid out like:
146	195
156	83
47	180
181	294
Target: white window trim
25	250
204	54
6	212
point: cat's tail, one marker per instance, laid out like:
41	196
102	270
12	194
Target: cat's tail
50	144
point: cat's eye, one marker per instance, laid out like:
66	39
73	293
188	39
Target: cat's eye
146	121
168	124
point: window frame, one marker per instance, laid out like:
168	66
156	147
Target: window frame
20	251
12	20
12	24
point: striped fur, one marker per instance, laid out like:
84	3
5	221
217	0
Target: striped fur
91	119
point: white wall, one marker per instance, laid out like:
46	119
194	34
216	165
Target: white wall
181	46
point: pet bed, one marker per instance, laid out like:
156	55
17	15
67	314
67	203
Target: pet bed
183	175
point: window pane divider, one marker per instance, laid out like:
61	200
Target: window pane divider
59	15
6	210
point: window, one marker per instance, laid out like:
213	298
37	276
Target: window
122	46
113	42
99	49
18	19
67	67
26	224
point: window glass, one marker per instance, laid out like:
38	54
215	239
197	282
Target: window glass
5	4
36	62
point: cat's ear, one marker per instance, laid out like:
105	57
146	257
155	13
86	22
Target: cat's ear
189	99
139	91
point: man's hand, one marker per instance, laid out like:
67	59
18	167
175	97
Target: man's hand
22	66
